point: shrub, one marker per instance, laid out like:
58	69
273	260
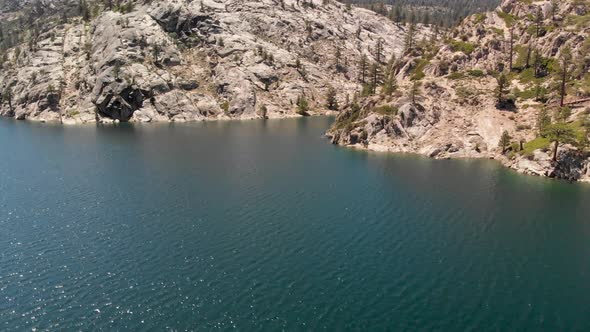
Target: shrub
263	111
456	76
386	110
476	73
508	18
480	17
225	107
461	46
302	106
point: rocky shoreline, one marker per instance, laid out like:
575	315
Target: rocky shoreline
395	87
509	85
573	168
109	121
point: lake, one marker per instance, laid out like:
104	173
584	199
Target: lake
263	225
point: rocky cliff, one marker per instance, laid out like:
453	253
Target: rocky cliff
449	102
182	60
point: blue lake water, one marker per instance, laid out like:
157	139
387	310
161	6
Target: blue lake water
263	225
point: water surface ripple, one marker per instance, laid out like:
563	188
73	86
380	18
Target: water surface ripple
265	226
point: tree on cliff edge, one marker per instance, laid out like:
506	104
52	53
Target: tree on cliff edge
331	102
560	133
504	141
302	105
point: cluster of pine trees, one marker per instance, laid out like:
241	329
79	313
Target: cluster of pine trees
39	16
444	13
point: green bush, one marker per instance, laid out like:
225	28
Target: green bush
367	90
225	107
461	46
480	17
418	76
419	70
578	21
476	73
302	106
386	110
347	119
456	76
508	18
526	94
527	76
536	144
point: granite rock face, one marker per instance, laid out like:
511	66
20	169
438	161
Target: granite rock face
178	60
446	103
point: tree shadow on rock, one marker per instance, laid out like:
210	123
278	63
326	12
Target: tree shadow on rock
508	105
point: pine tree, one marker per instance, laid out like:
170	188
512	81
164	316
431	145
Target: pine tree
538	22
331	102
528	57
560	133
375	73
511	50
397	16
7	95
554	6
501	90
410	36
414	91
302	105
539	92
565	60
504	141
363	68
337	58
156	50
537	62
379	50
390	83
543	121
426	19
263	111
84	10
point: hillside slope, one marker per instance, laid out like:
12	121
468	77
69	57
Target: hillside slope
440	12
449	103
177	60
